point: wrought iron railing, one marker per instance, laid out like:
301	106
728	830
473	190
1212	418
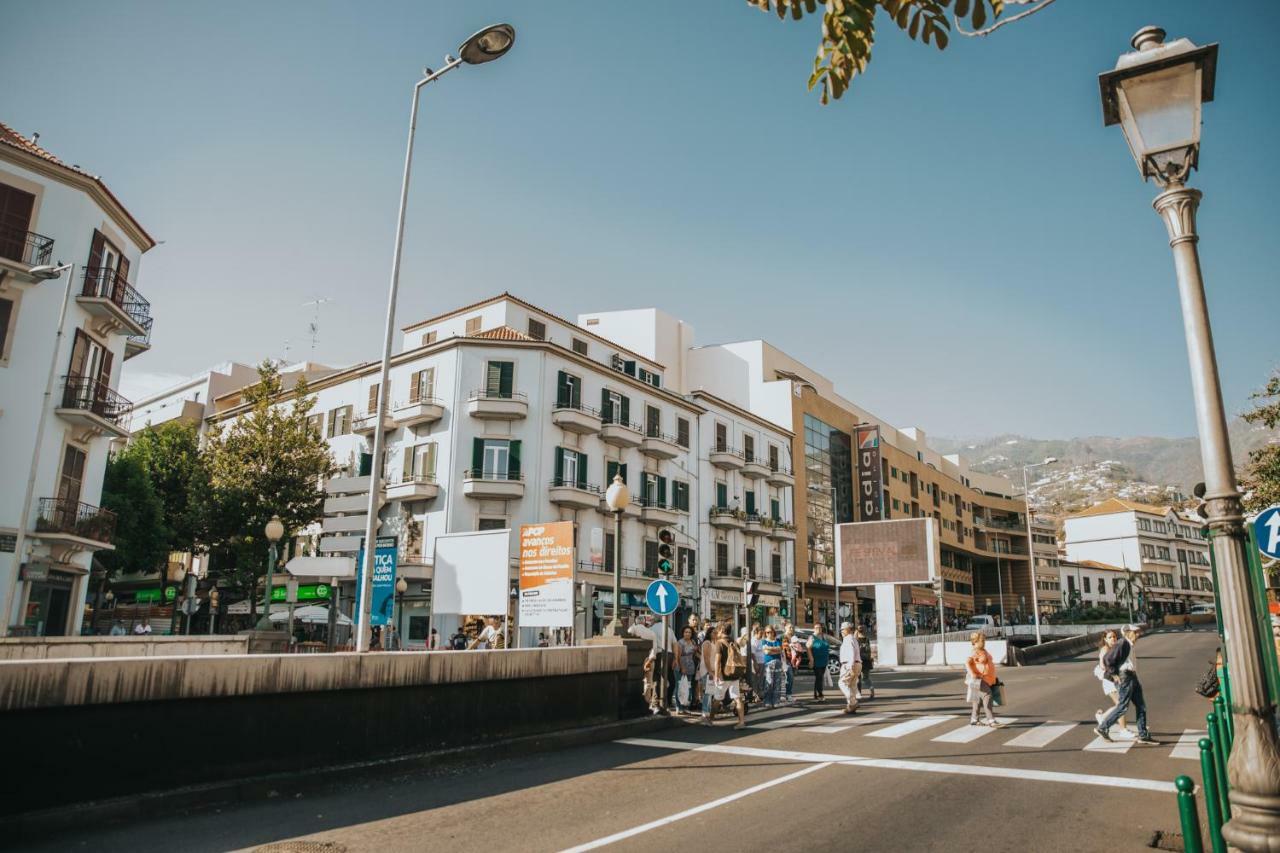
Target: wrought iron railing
479	474
93	395
421	401
60	515
724	449
106	283
497	394
580	485
418	479
577	407
143	339
608	418
25	247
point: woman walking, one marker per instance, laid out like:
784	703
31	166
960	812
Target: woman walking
771	651
712	690
1109	688
981	678
686	668
864	648
790	660
819	656
731	666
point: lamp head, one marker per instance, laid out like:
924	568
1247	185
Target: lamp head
45	272
616	497
487	45
402	586
274	529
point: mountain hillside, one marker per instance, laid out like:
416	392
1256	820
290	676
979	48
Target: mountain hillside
1154	470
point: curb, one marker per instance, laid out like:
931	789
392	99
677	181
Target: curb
197	798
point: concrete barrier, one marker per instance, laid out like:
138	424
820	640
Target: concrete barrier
1069	647
212	719
50	648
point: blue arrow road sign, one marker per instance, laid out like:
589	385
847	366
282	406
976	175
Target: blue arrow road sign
662	597
1266	532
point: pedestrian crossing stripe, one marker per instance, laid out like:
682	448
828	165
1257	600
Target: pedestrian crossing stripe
1042	735
795	721
1119	745
970	733
1188	745
913	725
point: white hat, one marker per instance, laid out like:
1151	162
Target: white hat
846	626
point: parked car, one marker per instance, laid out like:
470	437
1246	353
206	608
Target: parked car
980	621
1203	608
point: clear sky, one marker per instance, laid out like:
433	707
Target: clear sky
959	243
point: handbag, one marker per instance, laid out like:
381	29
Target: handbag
997	693
1099	673
684	691
1208	686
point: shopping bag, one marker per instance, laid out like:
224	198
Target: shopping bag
997	693
826	673
971	692
683	692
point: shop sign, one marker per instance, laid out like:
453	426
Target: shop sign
147	596
306	592
724	596
35	571
8	543
870	503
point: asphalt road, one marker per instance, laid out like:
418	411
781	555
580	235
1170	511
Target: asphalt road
906	773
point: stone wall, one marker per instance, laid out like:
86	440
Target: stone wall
40	648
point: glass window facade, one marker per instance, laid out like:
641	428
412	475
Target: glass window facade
828	459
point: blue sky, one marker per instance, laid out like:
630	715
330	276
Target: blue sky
959	243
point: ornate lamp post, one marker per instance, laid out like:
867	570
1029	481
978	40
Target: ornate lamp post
274	530
1155	94
617	498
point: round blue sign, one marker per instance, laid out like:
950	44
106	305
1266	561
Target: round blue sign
1266	532
662	597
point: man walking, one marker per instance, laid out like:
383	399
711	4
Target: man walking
1121	666
850	667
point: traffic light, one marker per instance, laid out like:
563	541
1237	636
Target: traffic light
666	550
937	585
750	593
784	610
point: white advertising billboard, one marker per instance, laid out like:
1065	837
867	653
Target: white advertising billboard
470	573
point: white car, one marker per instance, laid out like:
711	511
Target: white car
1203	608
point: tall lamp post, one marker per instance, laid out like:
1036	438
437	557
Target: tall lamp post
274	530
1031	544
487	45
617	498
1155	94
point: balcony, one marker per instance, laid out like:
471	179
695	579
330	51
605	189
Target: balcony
727	518
425	410
497	406
781	477
140	343
659	445
726	458
781	531
657	512
92	407
21	250
755	468
492	485
413	487
620	433
573	494
999	523
109	297
580	419
754	523
364	425
59	517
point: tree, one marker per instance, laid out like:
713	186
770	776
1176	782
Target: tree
170	456
267	461
1262	474
141	538
849	29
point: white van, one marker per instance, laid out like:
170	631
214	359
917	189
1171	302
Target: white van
980	621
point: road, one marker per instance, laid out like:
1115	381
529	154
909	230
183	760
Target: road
907	773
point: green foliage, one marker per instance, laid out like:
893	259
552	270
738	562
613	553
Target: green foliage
170	456
849	30
1262	474
141	538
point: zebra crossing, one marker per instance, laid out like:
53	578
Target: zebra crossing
893	725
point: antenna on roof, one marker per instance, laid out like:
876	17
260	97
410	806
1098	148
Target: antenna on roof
35	137
314	325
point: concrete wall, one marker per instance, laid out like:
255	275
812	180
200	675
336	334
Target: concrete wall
41	648
253	715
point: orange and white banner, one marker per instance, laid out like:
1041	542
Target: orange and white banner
546	575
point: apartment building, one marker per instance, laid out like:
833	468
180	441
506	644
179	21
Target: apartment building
504	414
1044	550
53	213
1095	584
1163	545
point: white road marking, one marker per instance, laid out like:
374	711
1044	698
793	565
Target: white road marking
968	733
1119	745
1188	745
794	721
870	719
914	725
1016	773
1042	735
637	830
826	730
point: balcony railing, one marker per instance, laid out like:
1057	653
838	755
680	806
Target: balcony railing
582	486
999	523
608	418
25	247
144	339
654	503
495	394
93	395
58	515
578	407
478	474
105	283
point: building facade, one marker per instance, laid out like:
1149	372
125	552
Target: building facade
52	213
1162	545
1090	583
1044	550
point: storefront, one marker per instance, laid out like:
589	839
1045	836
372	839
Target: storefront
49	599
725	606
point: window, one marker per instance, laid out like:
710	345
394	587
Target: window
722	438
652	421
1102	586
749	447
896	504
686	562
749	560
373	399
612	468
495	459
751	501
893	472
1149	551
680	496
537	329
579	346
653	490
316	424
1164	553
72	478
608	552
682	432
340	421
570	468
651	557
773	457
722	494
775	567
419	463
1071	583
614	408
491	524
499	379
568	391
1086	585
775	509
722	559
422	385
6	320
473	326
652	378
15	221
428	339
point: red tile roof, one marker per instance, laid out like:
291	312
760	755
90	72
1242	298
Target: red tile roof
501	333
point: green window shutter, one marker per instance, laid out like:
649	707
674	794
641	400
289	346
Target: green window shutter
606	410
722	494
751	503
610	468
477	454
559	474
575	392
582	470
507	374
626	411
562	390
366	464
513	466
622	469
776	509
662	490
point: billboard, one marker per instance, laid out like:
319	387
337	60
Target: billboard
383	589
904	550
870	503
546	575
470	572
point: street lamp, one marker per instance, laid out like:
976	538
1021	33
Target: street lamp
44	272
402	586
213	608
274	530
617	498
484	46
1155	93
1031	545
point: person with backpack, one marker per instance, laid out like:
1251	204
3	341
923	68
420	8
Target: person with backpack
458	642
731	672
819	655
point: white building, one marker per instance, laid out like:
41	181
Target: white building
503	414
52	213
1097	584
1162	544
1044	550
